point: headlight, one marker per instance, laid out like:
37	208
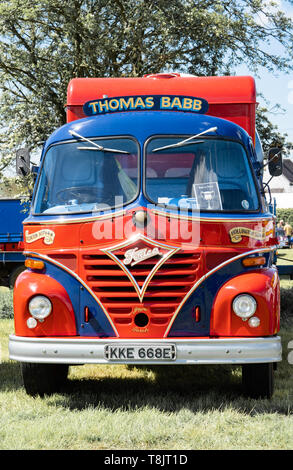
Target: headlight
244	306
40	307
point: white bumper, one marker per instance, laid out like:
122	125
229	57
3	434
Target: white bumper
188	351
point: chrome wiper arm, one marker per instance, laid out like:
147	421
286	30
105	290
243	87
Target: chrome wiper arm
95	145
187	141
75	134
104	149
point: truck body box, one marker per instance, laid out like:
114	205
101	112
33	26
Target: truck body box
231	98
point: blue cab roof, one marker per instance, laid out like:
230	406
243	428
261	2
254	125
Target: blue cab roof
144	124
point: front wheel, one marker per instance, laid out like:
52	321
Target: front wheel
14	275
43	379
258	380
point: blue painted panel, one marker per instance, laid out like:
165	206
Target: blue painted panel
11	257
184	324
11	217
99	324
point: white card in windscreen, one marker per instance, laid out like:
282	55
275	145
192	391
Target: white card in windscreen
208	196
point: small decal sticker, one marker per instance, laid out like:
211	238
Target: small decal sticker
245	204
46	234
237	233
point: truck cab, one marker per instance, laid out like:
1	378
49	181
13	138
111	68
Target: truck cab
149	239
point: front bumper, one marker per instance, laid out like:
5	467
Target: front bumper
188	351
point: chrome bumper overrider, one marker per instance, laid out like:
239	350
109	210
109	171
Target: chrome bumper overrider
188	351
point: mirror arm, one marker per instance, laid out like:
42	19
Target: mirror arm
269	190
262	167
268	182
267	163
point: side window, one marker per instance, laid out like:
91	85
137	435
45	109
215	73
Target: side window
258	148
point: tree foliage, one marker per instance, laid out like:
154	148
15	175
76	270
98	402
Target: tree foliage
269	133
45	43
286	215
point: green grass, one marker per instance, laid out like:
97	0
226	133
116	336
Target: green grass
123	407
285	256
6	305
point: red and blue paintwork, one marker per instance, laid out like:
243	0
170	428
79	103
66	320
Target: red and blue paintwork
220	276
203	278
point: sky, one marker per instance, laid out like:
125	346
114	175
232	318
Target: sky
277	88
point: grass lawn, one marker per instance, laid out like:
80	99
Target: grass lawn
285	256
122	407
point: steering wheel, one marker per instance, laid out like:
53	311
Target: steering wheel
83	194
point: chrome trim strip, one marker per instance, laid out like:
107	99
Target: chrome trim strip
209	219
189	351
64	221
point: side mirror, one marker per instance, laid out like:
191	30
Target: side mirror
275	161
23	162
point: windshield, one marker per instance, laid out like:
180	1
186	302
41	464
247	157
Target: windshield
82	177
208	175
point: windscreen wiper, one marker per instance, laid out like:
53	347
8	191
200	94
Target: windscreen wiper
187	141
95	146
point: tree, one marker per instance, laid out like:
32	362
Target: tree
269	133
45	43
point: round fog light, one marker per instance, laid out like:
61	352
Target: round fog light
254	322
40	307
244	306
31	322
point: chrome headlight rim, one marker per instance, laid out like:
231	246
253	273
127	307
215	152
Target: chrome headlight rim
240	311
40	307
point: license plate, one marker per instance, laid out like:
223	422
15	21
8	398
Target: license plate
138	352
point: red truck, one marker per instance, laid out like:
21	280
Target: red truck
149	239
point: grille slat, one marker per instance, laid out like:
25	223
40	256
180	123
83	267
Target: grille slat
118	272
126	291
125	283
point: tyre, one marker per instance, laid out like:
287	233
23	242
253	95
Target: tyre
43	379
15	273
258	380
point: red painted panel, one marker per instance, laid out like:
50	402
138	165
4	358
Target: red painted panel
61	321
231	98
261	285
